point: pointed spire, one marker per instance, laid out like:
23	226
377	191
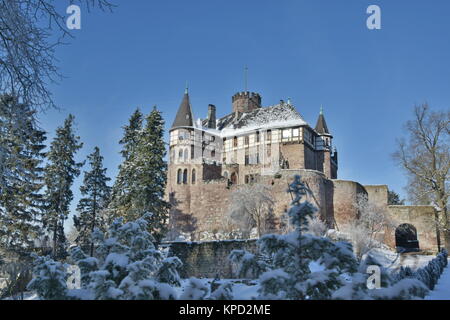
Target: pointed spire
245	79
184	117
321	126
186	90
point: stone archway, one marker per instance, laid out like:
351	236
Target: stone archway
406	238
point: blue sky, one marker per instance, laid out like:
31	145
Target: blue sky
314	51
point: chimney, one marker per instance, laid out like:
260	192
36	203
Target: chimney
212	116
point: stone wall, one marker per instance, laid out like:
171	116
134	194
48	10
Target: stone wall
209	259
422	218
199	209
202	207
378	194
345	195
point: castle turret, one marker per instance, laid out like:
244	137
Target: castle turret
321	125
245	102
184	117
327	156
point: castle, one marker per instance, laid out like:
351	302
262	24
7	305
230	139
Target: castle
210	158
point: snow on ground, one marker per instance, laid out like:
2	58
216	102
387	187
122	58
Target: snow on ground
442	289
26	296
394	261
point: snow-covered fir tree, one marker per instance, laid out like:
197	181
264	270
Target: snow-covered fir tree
127	265
152	174
284	261
141	182
122	191
60	172
91	207
49	280
21	175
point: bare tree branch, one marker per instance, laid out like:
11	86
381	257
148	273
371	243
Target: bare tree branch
425	157
30	31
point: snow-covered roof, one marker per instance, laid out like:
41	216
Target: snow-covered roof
277	116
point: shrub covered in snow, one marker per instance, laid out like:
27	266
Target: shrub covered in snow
127	265
49	279
430	274
391	288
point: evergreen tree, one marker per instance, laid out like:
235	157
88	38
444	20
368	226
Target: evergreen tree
151	174
21	156
141	182
127	264
131	134
394	198
96	195
284	261
122	189
49	279
60	173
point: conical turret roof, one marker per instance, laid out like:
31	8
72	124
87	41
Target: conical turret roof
184	116
321	126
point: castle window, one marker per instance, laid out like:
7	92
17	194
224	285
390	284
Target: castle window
186	154
213	153
185	176
247	179
225	174
295	132
192	151
257	136
180	155
193	176
234	178
179	176
269	135
212	139
247	159
235	142
286	133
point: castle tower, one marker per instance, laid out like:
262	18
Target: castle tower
327	156
245	102
181	173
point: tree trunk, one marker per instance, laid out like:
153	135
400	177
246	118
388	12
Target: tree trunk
55	238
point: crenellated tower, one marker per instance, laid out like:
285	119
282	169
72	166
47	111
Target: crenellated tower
245	102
